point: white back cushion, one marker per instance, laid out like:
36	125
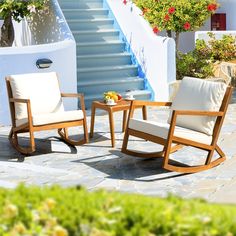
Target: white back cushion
41	88
198	94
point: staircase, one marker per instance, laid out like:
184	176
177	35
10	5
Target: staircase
103	63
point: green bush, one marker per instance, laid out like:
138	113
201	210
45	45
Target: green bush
200	62
193	64
56	211
223	49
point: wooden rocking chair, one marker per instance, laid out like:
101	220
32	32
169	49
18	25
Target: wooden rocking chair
36	104
197	114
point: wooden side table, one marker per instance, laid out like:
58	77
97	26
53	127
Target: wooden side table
122	105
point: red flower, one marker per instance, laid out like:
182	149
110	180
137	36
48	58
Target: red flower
187	26
155	30
212	7
171	10
125	2
167	17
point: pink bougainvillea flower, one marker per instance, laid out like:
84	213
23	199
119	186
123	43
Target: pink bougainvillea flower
187	26
155	30
212	7
171	10
125	2
167	17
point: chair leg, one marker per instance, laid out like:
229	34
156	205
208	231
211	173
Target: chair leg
13	138
209	157
32	141
66	132
125	141
167	151
86	137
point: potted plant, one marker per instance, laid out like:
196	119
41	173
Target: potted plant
16	10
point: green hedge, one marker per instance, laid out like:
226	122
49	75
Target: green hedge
60	211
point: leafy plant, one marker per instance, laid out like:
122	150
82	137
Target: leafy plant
176	15
200	62
17	10
42	222
193	64
223	49
75	211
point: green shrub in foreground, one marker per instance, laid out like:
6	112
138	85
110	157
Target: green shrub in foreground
60	211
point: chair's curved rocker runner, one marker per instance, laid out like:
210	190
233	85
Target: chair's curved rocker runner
196	118
36	104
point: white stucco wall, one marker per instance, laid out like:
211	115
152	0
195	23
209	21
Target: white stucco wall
155	54
57	45
228	7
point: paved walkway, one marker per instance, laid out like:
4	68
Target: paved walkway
97	165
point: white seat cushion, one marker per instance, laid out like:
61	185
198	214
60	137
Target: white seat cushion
198	94
50	118
41	88
162	129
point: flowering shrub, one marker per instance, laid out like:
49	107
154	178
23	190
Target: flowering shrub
223	49
176	15
42	222
57	211
200	62
194	64
17	10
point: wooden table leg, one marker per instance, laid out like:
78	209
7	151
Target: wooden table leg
144	110
124	121
111	121
93	110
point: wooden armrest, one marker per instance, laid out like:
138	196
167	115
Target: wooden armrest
75	95
71	95
198	113
151	103
20	100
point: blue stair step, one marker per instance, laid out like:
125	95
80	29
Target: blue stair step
115	46
117	84
86	4
113	59
103	62
96	35
99	13
100	73
90	24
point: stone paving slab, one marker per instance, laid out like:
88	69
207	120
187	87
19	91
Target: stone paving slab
96	165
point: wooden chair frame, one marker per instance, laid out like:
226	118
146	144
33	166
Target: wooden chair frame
180	142
62	127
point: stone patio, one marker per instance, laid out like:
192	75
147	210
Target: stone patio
97	165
